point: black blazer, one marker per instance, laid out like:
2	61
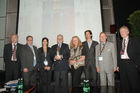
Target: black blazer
27	57
61	64
7	53
41	57
133	50
89	53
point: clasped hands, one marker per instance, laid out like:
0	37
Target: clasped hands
58	57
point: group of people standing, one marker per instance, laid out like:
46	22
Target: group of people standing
96	60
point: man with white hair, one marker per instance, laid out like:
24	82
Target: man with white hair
12	59
129	62
60	54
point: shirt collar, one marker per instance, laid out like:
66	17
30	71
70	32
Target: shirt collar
14	44
126	39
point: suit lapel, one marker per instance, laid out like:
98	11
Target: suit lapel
129	43
92	45
87	46
17	51
29	49
10	50
106	46
120	45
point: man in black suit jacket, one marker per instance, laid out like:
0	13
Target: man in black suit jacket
90	64
60	54
11	59
128	59
29	63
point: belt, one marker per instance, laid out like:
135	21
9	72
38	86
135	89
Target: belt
126	60
13	61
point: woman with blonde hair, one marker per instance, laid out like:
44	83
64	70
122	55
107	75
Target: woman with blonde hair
76	60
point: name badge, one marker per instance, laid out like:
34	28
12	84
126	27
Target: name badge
123	56
45	62
100	58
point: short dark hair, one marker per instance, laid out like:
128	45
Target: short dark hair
29	36
89	32
45	38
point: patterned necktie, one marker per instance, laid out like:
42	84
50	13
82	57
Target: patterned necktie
123	47
14	53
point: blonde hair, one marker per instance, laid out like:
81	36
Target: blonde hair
79	42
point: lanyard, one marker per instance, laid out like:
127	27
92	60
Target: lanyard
102	49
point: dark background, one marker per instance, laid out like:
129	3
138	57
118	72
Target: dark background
122	10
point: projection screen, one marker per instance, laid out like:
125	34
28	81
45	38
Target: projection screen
48	18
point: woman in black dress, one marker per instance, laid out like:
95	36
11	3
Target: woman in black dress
44	67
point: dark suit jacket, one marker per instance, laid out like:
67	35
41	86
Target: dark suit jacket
27	57
133	50
62	64
41	57
89	53
7	54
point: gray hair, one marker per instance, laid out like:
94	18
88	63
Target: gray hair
60	35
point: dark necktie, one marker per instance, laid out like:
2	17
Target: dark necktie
123	47
14	53
59	45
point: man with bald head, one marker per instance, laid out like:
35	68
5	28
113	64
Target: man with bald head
11	59
129	60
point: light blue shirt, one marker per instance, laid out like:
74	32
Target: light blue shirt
34	63
89	44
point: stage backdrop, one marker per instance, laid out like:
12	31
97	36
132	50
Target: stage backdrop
48	18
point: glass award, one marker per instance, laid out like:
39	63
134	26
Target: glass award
58	52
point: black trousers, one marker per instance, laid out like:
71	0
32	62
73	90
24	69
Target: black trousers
91	74
61	81
29	79
45	81
76	76
129	77
76	79
12	70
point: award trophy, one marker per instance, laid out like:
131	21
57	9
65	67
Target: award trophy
58	53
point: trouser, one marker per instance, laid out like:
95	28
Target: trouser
76	76
91	74
45	82
129	77
61	81
105	89
12	70
29	79
107	78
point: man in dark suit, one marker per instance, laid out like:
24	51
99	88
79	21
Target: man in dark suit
29	64
128	60
90	64
11	59
60	54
